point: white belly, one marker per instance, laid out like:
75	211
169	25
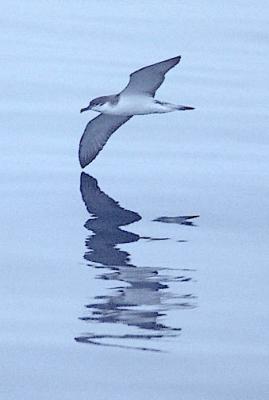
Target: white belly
133	105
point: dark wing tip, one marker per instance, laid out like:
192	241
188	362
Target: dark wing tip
82	163
85	158
175	59
86	161
82	160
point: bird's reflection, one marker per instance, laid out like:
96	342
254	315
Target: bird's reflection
133	312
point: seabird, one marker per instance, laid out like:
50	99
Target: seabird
137	98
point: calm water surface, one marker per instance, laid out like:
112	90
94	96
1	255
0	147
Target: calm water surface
98	300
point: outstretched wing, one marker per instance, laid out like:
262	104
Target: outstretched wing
148	79
102	206
96	134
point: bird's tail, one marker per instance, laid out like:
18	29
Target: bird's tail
183	108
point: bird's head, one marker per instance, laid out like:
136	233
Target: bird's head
95	104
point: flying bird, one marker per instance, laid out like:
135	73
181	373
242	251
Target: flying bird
137	98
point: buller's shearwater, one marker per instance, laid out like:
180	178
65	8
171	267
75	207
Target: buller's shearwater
137	98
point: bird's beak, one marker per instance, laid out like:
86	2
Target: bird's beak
85	109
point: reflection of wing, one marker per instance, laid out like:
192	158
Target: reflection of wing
102	206
148	79
96	134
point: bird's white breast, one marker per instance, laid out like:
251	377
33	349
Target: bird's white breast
131	105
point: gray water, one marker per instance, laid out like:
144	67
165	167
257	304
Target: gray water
98	301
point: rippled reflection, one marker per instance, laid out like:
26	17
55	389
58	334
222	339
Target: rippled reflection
180	220
134	310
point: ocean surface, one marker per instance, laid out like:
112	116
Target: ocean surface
98	300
